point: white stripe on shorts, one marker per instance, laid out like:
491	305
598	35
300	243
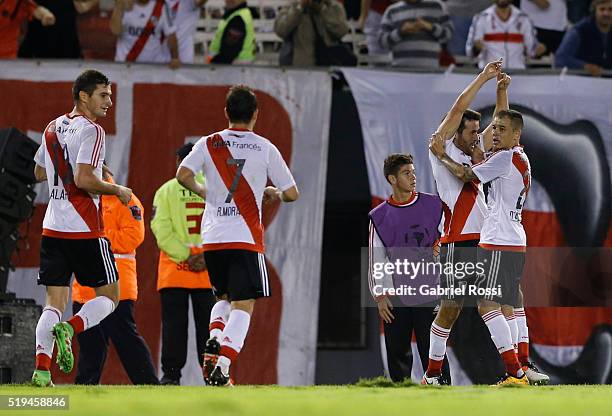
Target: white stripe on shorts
111	275
264	274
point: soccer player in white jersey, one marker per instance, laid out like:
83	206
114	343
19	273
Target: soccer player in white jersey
140	26
237	164
70	160
502	241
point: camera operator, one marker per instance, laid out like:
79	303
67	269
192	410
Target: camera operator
311	31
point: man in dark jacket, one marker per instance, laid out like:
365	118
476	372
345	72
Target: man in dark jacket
588	45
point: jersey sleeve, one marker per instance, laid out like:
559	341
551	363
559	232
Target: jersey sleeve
91	150
278	171
128	231
194	161
162	225
39	157
495	166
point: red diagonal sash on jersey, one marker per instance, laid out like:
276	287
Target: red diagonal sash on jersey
463	207
80	200
146	33
243	195
521	165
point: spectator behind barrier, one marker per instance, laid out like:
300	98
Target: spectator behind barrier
504	31
369	21
13	13
588	45
234	41
139	26
312	31
550	20
60	40
413	31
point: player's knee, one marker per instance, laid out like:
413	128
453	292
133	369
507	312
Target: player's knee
486	306
507	310
244	305
447	317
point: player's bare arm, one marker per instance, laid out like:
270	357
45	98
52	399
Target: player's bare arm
175	63
436	146
451	122
186	177
85	179
40	173
501	103
272	194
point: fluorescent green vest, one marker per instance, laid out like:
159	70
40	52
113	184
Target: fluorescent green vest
248	47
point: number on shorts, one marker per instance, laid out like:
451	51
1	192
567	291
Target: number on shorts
239	165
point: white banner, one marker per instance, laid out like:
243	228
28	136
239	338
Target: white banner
295	104
399	112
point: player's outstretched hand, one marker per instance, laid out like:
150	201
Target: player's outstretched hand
492	69
437	144
384	309
503	81
271	194
124	194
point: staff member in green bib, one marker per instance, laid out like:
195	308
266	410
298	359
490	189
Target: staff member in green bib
234	41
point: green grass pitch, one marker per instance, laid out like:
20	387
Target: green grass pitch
324	400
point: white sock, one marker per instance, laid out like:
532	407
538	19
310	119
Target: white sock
44	335
95	310
219	315
499	329
437	342
521	322
233	338
514	332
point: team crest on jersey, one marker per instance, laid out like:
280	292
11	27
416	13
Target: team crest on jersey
136	212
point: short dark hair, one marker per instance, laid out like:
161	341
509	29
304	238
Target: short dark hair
240	104
516	118
88	81
468	115
394	162
184	150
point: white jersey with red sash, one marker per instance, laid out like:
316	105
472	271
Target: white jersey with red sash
72	212
141	37
509	173
236	165
464	203
511	39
